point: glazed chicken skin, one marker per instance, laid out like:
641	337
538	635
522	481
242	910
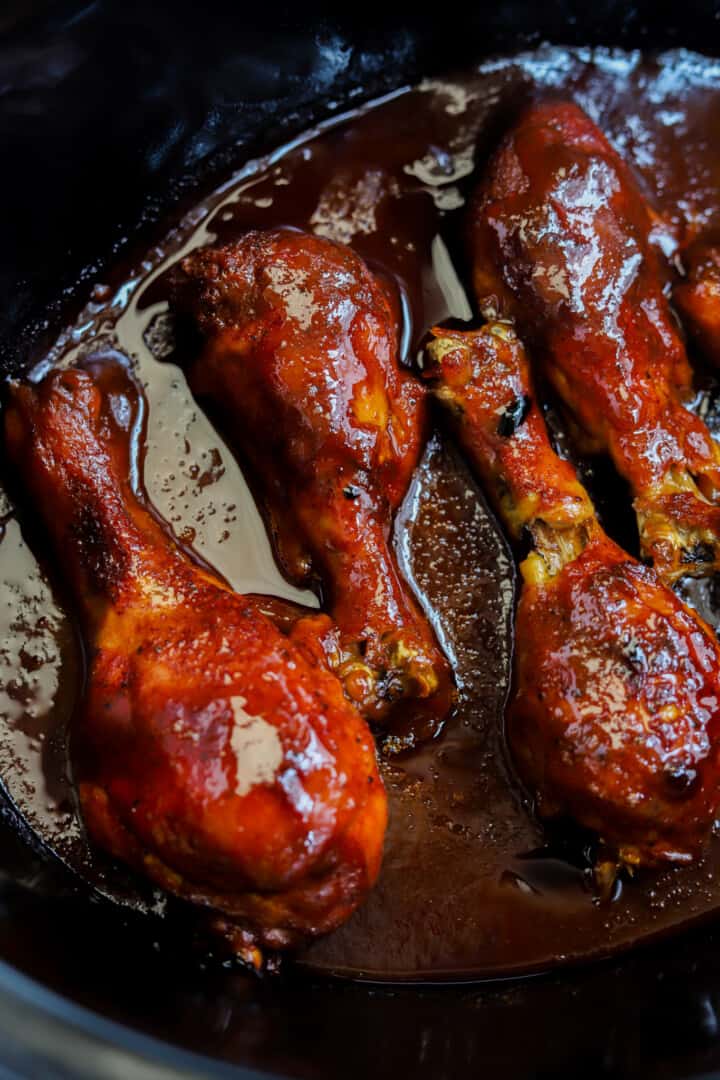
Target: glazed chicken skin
697	296
615	717
211	751
562	245
300	357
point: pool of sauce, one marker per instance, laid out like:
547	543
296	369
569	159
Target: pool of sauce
472	886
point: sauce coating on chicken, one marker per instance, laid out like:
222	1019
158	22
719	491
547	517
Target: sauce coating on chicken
301	358
562	244
615	718
211	751
697	296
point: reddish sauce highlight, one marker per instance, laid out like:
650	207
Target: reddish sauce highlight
471	886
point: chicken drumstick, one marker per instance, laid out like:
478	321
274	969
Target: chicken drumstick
300	354
211	752
616	713
561	245
697	295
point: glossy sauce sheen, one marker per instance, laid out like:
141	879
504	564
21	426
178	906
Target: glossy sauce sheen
471	886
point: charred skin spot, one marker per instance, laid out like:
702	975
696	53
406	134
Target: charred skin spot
634	654
698	553
105	561
514	415
681	782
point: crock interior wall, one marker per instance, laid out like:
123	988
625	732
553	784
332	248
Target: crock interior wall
113	114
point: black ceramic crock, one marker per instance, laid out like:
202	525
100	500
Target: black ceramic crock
112	114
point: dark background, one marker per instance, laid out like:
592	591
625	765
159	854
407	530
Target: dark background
111	115
112	111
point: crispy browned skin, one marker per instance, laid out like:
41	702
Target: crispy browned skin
616	712
697	296
560	238
211	752
300	354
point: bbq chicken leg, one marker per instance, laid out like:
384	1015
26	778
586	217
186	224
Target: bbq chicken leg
615	718
697	296
211	751
562	245
300	354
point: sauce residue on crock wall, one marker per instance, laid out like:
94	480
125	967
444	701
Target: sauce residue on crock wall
471	885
